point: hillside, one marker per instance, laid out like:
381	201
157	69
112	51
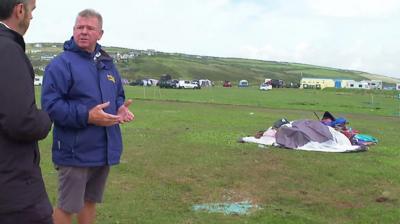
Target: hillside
137	64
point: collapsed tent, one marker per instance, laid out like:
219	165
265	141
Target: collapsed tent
328	135
301	132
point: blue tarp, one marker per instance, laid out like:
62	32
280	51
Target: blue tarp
236	208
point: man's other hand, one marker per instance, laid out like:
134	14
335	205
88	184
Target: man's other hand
98	117
124	113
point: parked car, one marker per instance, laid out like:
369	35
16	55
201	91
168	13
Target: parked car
171	83
227	84
197	82
277	83
265	87
137	82
292	85
186	84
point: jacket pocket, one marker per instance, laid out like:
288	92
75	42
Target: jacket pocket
64	141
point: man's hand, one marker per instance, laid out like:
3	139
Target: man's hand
98	117
124	114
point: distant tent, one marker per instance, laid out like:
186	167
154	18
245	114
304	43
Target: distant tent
301	132
243	83
205	83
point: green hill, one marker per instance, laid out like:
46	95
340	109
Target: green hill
137	64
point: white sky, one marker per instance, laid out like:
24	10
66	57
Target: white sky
350	34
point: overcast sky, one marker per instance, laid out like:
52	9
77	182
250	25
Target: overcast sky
350	34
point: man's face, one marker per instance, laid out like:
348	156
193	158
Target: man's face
87	32
23	25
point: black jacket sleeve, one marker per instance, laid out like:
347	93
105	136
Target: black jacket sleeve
20	119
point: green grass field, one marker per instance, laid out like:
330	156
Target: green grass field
182	150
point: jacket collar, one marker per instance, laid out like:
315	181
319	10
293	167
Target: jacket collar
98	55
5	25
11	34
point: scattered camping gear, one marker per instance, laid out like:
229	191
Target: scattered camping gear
280	122
340	124
362	139
310	140
330	120
316	115
329	134
328	115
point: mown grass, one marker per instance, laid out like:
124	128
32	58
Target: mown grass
182	150
374	102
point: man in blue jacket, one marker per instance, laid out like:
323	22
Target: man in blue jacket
23	197
83	94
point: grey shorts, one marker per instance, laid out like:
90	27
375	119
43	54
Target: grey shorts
80	184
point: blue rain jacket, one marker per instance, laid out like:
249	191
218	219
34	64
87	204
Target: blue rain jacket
74	82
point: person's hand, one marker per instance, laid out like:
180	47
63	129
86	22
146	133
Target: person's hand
98	117
124	113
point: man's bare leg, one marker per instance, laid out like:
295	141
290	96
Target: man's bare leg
88	214
61	217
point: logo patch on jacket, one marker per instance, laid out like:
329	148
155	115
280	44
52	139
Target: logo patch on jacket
111	78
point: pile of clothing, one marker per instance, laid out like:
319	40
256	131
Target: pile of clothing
340	124
329	134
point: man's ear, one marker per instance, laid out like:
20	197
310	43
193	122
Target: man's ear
101	34
19	10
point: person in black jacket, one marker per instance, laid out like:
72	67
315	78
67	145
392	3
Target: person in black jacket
23	197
